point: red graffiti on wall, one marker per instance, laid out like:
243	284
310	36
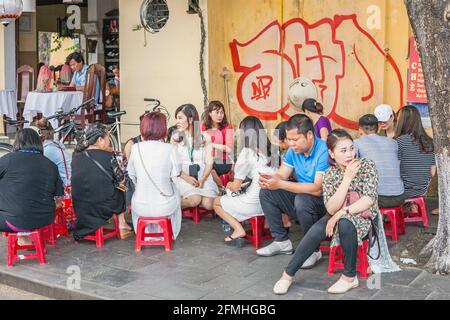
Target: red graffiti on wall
326	52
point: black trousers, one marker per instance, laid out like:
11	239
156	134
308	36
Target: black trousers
308	245
3	226
308	209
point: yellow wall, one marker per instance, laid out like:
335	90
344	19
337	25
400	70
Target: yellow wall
28	45
323	24
167	69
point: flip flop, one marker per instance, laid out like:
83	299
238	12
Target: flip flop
237	242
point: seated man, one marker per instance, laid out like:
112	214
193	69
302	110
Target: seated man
383	151
308	157
76	62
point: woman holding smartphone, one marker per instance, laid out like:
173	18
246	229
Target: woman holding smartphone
254	159
195	184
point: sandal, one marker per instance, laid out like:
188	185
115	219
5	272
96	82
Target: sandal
238	242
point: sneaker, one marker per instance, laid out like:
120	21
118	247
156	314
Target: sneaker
282	286
276	247
312	260
343	286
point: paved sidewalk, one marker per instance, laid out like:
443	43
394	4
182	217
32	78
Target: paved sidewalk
201	266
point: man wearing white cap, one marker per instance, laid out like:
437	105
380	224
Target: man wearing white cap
386	120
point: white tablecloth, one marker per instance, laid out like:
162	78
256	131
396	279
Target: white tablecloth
49	103
8	103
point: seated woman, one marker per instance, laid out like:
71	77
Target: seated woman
343	223
155	193
95	197
195	185
129	144
221	132
55	150
29	183
254	159
314	110
415	152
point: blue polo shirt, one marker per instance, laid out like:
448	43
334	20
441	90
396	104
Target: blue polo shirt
307	167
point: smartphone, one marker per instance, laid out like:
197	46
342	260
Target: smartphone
265	175
194	170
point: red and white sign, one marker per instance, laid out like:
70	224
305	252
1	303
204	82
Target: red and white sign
416	82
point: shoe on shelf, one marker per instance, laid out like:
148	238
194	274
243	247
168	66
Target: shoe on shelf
275	248
312	260
343	286
282	286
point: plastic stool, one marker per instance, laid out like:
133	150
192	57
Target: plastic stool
396	224
167	233
61	223
337	261
38	245
197	213
102	233
258	234
421	215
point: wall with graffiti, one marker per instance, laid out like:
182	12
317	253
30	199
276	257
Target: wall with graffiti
356	54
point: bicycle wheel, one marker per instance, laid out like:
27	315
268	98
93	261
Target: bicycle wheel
5	148
113	142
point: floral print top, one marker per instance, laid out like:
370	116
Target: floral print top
365	183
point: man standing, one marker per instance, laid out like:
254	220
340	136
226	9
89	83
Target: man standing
383	151
308	157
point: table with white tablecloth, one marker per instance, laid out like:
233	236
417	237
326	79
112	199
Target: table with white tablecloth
48	103
8	103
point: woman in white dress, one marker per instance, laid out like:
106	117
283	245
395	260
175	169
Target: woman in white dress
152	166
255	158
196	185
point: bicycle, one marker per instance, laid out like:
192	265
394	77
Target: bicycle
69	128
6	147
158	107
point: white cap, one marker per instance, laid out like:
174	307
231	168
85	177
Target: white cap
383	112
301	89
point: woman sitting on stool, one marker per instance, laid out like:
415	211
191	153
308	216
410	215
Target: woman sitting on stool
29	183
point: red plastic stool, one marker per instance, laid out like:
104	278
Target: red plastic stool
38	245
258	234
421	215
337	261
167	233
197	213
396	224
61	223
102	233
225	178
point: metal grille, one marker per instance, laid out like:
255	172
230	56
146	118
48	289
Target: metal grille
154	15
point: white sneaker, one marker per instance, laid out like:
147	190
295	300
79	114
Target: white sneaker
276	247
343	286
282	286
312	260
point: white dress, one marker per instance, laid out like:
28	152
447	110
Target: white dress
210	188
247	205
162	163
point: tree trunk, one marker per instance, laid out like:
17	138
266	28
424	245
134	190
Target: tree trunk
430	20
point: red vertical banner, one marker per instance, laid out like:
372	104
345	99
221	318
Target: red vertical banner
416	82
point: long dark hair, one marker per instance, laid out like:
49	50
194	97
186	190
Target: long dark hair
213	106
28	139
94	132
410	122
255	138
191	113
312	106
333	138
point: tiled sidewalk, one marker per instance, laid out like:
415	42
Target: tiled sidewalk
201	266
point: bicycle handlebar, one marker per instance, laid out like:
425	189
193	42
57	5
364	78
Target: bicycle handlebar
73	111
155	101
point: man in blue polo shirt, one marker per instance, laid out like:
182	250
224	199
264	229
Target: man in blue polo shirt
308	157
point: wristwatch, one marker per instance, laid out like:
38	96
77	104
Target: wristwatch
346	209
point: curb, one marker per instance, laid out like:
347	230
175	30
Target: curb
44	289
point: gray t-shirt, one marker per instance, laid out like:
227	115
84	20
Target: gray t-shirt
384	152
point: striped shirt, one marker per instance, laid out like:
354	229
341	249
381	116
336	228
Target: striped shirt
415	166
384	152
